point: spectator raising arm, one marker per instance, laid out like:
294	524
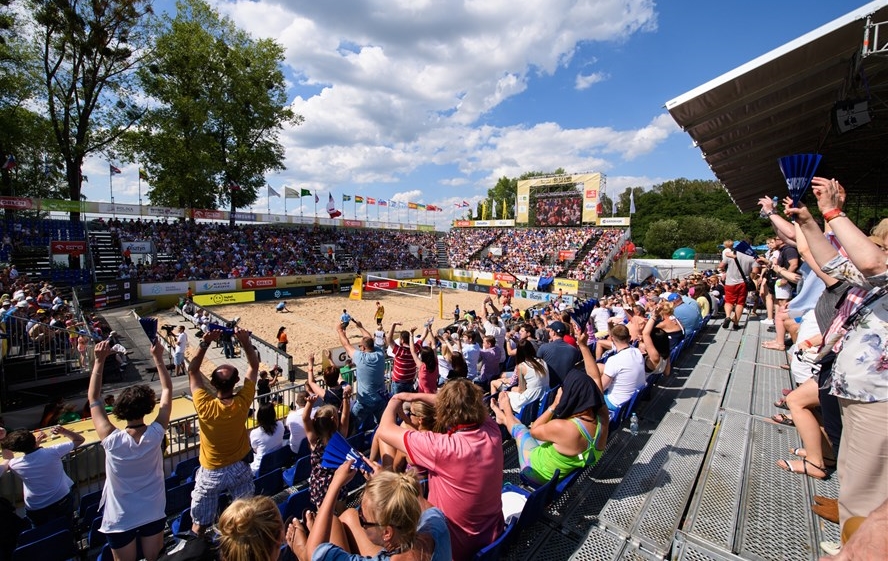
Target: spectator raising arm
243	336
195	377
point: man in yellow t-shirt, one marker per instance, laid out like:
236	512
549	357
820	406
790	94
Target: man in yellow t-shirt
380	313
224	442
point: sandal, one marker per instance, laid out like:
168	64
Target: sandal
800	452
782	419
781	404
787	466
786	392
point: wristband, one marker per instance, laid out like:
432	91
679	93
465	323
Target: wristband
203	345
769	213
96	404
831	214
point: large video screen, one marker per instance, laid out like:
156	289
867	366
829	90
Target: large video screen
559	211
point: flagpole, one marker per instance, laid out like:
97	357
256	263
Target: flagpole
111	188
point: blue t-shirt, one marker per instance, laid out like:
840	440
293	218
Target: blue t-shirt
345	318
431	522
688	314
370	373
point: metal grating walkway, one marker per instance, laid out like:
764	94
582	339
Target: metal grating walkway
700	480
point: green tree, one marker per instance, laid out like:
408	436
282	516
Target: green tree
221	105
503	197
88	53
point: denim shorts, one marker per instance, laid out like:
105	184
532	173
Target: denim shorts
119	540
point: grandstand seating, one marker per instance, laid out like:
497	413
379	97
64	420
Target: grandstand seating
54	547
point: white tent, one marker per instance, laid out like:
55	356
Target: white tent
664	269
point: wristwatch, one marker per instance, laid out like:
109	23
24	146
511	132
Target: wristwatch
203	345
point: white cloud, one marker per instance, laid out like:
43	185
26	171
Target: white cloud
585	81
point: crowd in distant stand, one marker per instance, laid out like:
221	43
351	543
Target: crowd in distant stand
593	260
197	251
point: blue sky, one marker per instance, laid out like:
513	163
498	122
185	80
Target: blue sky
431	101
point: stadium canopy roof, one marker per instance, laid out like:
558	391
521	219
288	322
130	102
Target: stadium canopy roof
785	102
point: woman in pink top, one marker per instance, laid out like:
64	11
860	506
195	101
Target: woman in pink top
427	363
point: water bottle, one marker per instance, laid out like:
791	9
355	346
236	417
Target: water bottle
633	424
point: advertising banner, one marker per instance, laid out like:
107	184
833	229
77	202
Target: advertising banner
67	247
138	246
166	211
217	285
430	272
371	285
209	214
320	289
567	254
149	290
567	285
18	203
258	282
309	280
503	277
225	298
482	288
353	223
108	208
245	216
279	294
613	221
60	206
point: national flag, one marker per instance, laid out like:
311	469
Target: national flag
316	198
411	205
420	206
631	202
371	201
305	193
431	207
84	179
114	170
382	202
464	204
290	193
346	198
359	199
234	186
331	208
143	175
614	207
599	208
10	162
272	192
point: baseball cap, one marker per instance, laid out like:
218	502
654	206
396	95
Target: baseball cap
673	297
558	327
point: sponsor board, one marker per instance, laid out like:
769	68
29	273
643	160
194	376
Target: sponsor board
20	203
406	283
217	285
225	298
320	289
149	290
430	272
139	247
108	208
166	211
613	221
67	247
482	288
353	223
462	286
502	291
258	282
460	274
567	254
504	277
309	280
591	193
245	216
113	293
462	223
208	214
567	285
339	356
371	285
279	294
405	274
60	206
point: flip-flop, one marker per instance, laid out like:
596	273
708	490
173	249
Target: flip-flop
782	419
781	404
788	467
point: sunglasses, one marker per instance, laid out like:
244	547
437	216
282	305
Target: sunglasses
365	524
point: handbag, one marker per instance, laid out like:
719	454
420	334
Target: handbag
749	284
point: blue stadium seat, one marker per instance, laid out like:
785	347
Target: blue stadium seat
55	547
179	498
185	468
493	552
270	484
295	504
280	458
300	471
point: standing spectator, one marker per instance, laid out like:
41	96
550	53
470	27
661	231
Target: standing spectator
282	339
264	385
227	340
736	266
267	437
319	430
404	368
465	461
47	487
294	422
369	374
489	360
133	495
427	363
179	356
558	355
222	421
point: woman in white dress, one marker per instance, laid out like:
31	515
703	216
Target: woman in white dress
133	497
532	373
268	435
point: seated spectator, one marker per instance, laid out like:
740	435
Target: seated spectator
394	522
47	487
623	372
133	495
327	420
569	435
558	355
669	324
532	375
268	435
464	458
250	529
417	415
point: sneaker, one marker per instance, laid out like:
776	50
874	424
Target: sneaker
767	322
831	548
726	323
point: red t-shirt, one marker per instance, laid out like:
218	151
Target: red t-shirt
465	482
403	368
